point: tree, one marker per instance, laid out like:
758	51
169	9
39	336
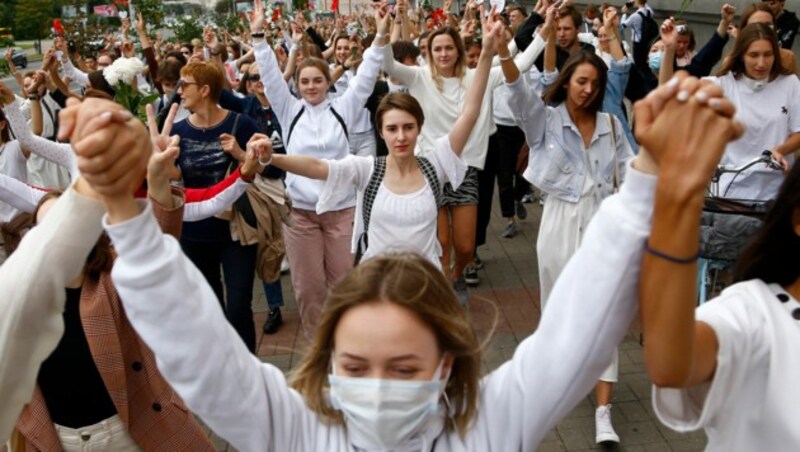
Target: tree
186	29
33	18
152	12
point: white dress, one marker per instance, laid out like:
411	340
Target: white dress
752	402
398	222
561	230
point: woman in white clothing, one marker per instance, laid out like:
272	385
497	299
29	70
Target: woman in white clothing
577	156
395	363
400	208
730	365
767	99
13	159
440	87
318	245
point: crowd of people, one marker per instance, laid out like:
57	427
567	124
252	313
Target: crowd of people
362	151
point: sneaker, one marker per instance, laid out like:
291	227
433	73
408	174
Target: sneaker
510	230
285	264
478	262
274	321
462	292
522	212
529	198
471	275
602	422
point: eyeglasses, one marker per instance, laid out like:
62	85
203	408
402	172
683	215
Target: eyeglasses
182	83
254	78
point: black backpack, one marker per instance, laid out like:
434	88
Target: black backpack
650	29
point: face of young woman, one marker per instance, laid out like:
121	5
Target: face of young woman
383	340
313	85
444	52
583	85
400	131
342	49
758	59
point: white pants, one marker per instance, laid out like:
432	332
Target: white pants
110	434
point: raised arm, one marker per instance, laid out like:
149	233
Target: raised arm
20	195
282	101
493	40
668	36
680	352
548	31
302	165
59	153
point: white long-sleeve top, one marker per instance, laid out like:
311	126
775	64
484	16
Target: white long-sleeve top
58	153
32	282
74	74
317	132
19	195
442	108
167	300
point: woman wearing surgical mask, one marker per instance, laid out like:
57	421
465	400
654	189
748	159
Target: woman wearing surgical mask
395	363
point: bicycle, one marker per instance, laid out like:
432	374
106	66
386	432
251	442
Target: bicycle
726	227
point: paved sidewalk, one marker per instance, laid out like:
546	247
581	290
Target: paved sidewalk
509	284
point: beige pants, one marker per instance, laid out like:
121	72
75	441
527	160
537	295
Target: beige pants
107	435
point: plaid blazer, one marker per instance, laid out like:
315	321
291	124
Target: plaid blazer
154	414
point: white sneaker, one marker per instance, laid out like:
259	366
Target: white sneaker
285	264
602	422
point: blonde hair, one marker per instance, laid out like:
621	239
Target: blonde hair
410	281
461	61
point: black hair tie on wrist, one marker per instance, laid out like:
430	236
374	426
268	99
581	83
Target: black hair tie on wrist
669	257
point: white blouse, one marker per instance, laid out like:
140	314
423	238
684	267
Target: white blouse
398	222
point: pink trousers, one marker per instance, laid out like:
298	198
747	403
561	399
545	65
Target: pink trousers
318	247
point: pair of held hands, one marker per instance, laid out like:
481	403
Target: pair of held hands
115	150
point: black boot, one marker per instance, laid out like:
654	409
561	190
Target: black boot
274	321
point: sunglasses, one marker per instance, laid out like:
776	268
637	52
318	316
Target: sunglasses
254	78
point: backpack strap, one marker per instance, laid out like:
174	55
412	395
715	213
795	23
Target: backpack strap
294	123
429	172
300	113
372	190
341	121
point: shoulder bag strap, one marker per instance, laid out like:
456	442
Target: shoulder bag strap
341	121
294	123
614	150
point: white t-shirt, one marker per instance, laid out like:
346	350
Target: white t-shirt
770	116
398	222
13	164
752	403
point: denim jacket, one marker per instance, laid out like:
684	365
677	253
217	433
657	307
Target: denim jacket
558	162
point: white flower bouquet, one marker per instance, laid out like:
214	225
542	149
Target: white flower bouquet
121	75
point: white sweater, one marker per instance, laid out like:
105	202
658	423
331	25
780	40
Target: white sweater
317	133
249	403
442	108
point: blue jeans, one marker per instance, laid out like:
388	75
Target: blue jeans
274	293
238	266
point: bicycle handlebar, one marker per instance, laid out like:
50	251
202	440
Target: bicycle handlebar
765	157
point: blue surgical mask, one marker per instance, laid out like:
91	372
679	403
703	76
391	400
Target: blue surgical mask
654	60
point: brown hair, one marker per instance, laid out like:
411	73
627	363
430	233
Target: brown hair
752	9
13	230
313	62
557	93
399	101
403	50
461	61
5	134
410	281
754	32
206	74
569	10
101	258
